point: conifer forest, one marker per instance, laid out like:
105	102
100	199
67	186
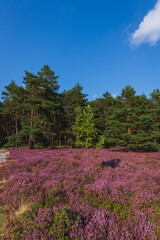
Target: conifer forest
74	169
37	115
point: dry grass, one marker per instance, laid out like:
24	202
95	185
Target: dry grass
2	222
2	183
22	209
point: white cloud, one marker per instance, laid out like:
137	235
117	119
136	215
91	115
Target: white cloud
149	29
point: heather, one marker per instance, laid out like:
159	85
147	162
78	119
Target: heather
50	194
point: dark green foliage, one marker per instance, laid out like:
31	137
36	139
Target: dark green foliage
155	99
42	104
32	112
12	111
100	109
37	115
72	99
144	147
131	123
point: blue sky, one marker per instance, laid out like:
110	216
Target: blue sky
103	44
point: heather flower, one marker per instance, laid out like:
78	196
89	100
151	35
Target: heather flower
68	202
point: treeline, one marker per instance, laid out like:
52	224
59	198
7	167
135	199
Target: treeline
37	115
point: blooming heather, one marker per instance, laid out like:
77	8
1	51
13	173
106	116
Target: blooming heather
49	194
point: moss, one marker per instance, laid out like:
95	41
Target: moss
123	209
156	210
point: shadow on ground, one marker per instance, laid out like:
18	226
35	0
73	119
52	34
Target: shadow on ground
114	163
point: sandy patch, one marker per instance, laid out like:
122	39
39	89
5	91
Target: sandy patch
3	156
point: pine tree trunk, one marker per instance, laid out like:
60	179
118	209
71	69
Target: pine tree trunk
154	123
52	140
60	132
116	139
128	117
60	139
30	143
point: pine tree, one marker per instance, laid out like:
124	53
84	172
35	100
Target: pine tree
72	99
100	108
131	122
12	112
116	124
155	98
41	105
143	117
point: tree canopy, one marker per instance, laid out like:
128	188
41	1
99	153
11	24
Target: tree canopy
37	115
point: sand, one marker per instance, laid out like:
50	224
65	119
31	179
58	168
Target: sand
3	156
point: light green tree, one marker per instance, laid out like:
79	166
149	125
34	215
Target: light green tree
85	129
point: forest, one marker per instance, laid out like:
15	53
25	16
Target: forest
56	182
37	115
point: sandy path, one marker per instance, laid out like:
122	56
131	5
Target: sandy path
3	156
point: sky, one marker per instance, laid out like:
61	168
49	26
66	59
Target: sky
102	44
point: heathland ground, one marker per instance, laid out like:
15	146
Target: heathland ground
50	194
